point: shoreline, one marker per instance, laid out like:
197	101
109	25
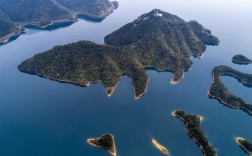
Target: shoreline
186	124
137	97
160	147
173	113
224	102
110	90
240	62
175	82
21	26
238	138
88	84
94	145
242	147
8	37
200	56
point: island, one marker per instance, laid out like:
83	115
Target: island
221	93
241	59
156	40
245	145
160	147
105	142
195	131
16	14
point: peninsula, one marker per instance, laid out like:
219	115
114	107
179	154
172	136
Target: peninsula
16	14
157	39
240	59
245	145
105	142
220	92
195	131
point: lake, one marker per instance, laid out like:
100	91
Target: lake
40	117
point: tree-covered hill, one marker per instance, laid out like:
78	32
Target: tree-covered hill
15	14
6	25
163	42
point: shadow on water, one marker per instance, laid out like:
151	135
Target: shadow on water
55	26
90	19
51	27
11	39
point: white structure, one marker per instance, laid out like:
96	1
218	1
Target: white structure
145	18
158	14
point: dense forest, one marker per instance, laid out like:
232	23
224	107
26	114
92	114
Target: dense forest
149	41
240	59
14	14
6	25
106	142
220	92
195	131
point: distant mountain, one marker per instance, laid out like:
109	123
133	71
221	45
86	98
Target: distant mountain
15	14
98	9
157	39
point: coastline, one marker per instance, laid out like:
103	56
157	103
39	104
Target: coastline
21	26
110	90
175	82
244	148
220	99
224	102
109	94
8	37
94	145
190	135
102	16
137	97
201	56
238	138
160	147
241	62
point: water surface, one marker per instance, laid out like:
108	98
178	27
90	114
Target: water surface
39	117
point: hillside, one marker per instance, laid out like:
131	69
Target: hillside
96	9
164	41
47	12
6	25
155	46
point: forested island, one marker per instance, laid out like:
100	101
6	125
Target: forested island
16	14
105	142
241	59
220	92
195	131
156	39
245	145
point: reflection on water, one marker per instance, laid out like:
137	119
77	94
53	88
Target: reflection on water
50	27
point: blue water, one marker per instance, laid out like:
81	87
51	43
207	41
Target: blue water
39	117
